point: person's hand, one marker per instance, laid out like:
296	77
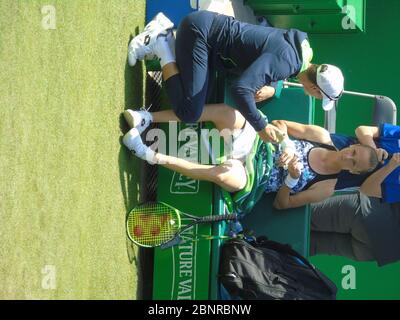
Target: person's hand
286	156
295	168
264	93
395	161
382	154
270	134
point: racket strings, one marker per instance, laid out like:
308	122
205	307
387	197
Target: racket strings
153	224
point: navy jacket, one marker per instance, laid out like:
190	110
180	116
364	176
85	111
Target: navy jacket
258	56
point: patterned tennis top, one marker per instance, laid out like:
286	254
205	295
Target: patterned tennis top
308	175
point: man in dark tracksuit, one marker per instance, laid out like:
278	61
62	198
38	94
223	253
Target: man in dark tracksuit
357	227
257	55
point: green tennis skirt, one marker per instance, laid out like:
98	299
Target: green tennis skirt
258	167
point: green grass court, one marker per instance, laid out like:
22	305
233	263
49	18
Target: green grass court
66	183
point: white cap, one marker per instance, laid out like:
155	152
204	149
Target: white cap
330	82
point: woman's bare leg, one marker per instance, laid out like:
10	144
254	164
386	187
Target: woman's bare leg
230	175
222	115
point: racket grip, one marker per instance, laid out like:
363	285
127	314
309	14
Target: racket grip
221	217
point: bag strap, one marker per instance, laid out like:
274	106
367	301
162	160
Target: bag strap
285	248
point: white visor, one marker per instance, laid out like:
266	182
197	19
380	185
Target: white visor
331	82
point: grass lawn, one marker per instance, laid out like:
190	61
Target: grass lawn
66	183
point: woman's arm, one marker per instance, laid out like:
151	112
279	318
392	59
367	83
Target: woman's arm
318	192
372	185
301	131
366	135
304	131
261	72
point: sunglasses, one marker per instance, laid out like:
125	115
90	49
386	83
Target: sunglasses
330	97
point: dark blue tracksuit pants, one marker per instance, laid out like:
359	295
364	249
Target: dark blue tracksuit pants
188	89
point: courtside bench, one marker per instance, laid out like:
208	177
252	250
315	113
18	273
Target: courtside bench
189	270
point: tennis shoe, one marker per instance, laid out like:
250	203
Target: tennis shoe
138	119
142	46
133	142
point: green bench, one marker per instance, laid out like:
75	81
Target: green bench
189	271
290	226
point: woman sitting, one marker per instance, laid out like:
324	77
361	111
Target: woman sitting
255	166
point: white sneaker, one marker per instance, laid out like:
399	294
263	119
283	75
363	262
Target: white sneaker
141	46
171	41
133	142
170	38
138	119
161	20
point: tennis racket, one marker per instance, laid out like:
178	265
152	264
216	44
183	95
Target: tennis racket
158	224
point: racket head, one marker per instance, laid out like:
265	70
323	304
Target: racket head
153	223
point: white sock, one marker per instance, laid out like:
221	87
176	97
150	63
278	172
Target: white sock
133	142
163	51
150	156
171	42
145	153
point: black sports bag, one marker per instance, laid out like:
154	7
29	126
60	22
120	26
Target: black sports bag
264	269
